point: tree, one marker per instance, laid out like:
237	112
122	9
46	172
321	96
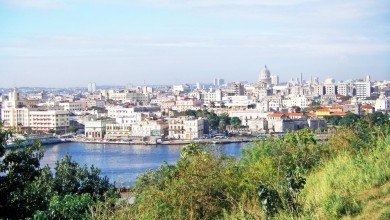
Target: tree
212	104
26	188
18	186
72	129
348	120
223	105
235	121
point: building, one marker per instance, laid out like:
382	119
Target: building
363	89
97	129
148	129
188	104
382	103
71	106
344	89
218	82
275	80
265	76
118	132
330	86
91	87
45	121
186	127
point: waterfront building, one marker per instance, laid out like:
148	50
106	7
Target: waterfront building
193	128
145	130
97	129
118	132
45	121
186	127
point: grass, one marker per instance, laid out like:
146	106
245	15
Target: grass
336	190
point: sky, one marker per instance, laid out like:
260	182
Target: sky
69	43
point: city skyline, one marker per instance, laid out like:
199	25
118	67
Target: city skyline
71	43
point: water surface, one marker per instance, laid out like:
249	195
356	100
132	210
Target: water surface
122	163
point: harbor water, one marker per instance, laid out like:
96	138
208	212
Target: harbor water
122	163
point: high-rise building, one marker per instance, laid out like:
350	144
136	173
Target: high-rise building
363	89
218	82
91	87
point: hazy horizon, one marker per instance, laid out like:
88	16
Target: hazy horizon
59	44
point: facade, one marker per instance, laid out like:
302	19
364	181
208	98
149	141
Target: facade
187	104
147	129
193	128
91	87
382	103
71	106
97	129
15	117
45	121
186	128
118	132
363	89
275	80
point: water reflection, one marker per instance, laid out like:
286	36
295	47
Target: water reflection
121	163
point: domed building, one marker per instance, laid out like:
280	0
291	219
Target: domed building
265	76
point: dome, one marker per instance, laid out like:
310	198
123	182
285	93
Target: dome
265	76
329	81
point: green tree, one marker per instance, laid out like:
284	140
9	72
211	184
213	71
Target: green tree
235	121
349	120
22	170
70	206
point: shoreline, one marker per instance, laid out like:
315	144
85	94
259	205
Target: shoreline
173	142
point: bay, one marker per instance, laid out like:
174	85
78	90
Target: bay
122	163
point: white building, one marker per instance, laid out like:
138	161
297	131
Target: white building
363	89
49	120
91	87
97	129
382	103
145	129
71	106
185	128
275	80
118	131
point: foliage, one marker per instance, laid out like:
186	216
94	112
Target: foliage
70	206
269	200
235	121
333	119
26	188
193	188
348	120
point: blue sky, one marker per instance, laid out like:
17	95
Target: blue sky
66	43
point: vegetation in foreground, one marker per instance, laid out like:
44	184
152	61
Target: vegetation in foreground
29	191
289	177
